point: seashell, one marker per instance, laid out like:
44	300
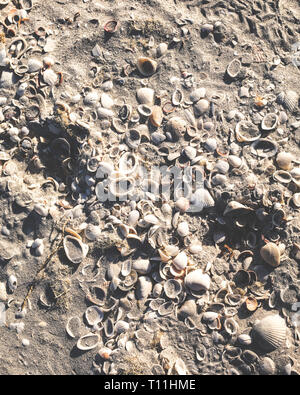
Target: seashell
200	200
141	266
270	332
50	77
197	280
251	303
93	315
128	164
6	80
3	57
246	131
74	249
106	101
282	176
176	126
177	97
3	293
267	366
201	107
233	68
183	229
236	208
73	327
145	96
166	308
179	367
290	100
231	326
144	287
232	299
210	316
133	138
133	217
146	66
34	65
172	288
270	253
244	339
182	204
221	166
195	247
111	26
284	160
296	200
105	352
197	94
88	341
104	113
121	327
180	261
269	121
161	49
264	148
211	144
156	116
188	309
190	152
12	282
109	328
144	110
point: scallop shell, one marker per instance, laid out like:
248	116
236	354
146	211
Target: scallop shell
270	253
270	332
75	250
88	341
144	287
269	121
234	68
197	280
290	100
93	315
145	96
146	66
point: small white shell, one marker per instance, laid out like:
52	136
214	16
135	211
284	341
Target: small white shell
197	94
233	68
231	326
284	160
106	101
145	96
234	161
182	204
88	341
93	315
34	65
172	288
121	327
197	281
179	367
201	107
75	250
144	287
200	200
282	176
183	229
180	261
269	121
141	266
12	282
73	327
244	339
50	77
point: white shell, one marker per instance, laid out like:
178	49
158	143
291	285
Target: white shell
121	327
145	96
234	68
93	315
209	316
200	200
75	250
282	176
221	166
234	161
88	341
34	65
161	49
197	280
269	121
141	266
244	339
106	101
182	204
284	160
3	293
91	98
179	367
290	100
197	94
73	327
183	229
270	332
50	77
104	113
12	282
180	261
201	107
231	326
172	288
133	217
144	287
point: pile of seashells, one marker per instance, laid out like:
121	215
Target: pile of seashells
199	257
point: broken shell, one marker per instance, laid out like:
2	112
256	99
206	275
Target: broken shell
172	288
246	131
105	352
231	326
188	309
75	250
197	280
144	110
234	68
146	66
108	327
12	282
182	204
88	341
176	127
269	121
179	367
180	261
128	164
282	176
93	315
296	200
73	327
177	97
145	96
166	308
270	253
270	332
144	287
284	160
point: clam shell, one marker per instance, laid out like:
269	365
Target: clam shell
282	176
73	327
75	250
267	366
201	107
106	101
104	113
231	326
246	131
121	327
244	339
172	288
270	332
197	94
201	200
270	253
269	121
183	229
264	148
284	160
176	126
166	308
161	49
88	341
156	116
197	280
34	65
50	77
188	309
93	315
180	261
141	266
12	282
234	68
146	66
144	287
109	328
128	164
145	96
144	110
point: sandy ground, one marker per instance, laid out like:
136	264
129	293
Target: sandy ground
258	33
